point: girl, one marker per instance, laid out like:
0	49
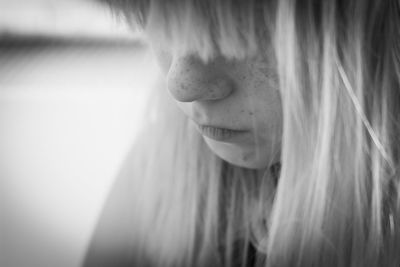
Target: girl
284	148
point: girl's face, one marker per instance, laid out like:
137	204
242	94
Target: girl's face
234	104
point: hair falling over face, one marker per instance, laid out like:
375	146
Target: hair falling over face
334	198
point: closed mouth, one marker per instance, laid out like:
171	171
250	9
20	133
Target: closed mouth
219	133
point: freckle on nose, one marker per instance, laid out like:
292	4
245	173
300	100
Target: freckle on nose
182	88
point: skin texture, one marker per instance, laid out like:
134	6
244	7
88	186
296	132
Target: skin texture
235	94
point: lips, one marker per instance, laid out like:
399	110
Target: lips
220	133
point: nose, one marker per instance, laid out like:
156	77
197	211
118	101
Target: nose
190	79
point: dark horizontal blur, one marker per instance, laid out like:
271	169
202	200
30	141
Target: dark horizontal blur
61	18
74	62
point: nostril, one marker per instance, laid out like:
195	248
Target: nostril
183	91
189	91
219	89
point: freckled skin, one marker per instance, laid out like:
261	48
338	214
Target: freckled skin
242	95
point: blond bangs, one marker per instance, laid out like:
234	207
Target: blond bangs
233	29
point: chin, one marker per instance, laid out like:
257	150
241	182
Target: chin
243	156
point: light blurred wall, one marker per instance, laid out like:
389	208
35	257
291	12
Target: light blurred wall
67	119
68	115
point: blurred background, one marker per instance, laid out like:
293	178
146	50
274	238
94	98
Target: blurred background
73	83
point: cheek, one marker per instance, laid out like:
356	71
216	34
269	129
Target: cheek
268	115
269	119
262	101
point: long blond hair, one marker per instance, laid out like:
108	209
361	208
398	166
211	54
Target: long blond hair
337	201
